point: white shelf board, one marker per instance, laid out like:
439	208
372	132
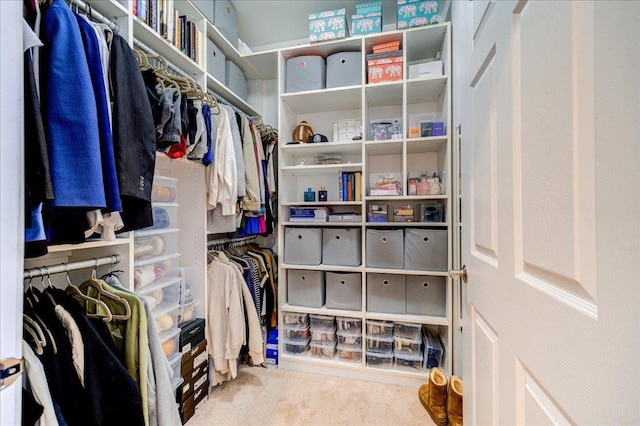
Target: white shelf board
110	8
405	272
264	63
425	89
322	100
407	224
148	232
321	169
152	39
320	203
395	376
428	144
332	268
324	49
321	311
385	147
417	319
338	148
384	94
336	224
221	89
94	243
423	42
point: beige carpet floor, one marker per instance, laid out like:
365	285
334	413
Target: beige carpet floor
271	396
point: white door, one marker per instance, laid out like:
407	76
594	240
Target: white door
11	199
551	202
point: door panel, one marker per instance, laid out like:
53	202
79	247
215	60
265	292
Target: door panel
550	120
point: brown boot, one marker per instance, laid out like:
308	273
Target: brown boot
433	396
454	401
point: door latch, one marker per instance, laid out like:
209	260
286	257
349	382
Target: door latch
10	370
462	274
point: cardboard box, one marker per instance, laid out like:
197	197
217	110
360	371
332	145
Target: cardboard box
369	23
387	47
417	13
373	7
329	25
425	69
385	69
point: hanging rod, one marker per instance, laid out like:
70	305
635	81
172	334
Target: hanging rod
137	43
239	241
99	17
71	266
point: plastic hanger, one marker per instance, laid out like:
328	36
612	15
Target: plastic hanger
74	291
102	292
38	346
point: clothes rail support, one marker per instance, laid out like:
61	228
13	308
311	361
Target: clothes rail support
44	271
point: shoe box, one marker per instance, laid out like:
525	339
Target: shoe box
194	369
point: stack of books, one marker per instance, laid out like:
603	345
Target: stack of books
308	214
350	186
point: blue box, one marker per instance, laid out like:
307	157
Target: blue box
369	23
416	13
366	8
329	25
272	357
438	128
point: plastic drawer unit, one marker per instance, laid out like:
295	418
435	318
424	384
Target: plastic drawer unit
322	335
386	293
407	330
426	249
380	345
344	69
295	318
352	325
296	332
322	349
306	73
305	288
379	328
412	363
349	353
296	347
350	339
402	345
380	360
342	246
303	246
322	322
426	295
344	290
385	248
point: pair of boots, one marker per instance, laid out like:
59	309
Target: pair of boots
442	398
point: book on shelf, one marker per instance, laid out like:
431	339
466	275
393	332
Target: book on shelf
152	17
350	186
183	25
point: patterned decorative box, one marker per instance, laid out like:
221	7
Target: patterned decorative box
365	8
382	68
417	13
366	24
329	25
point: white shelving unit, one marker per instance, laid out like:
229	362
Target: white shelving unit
366	102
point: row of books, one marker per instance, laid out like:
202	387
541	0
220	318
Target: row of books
350	186
162	17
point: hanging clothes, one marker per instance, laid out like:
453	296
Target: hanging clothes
133	136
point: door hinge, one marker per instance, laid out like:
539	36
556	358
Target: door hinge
10	370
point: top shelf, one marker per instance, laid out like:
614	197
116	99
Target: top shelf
322	100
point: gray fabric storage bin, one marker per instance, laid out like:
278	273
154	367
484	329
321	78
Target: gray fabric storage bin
225	19
303	246
426	295
305	288
344	290
426	249
206	7
342	246
344	69
386	293
235	79
305	73
385	248
216	62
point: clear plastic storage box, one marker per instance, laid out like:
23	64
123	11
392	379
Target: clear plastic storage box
322	322
296	332
407	330
175	363
155	270
433	351
295	318
166	319
170	341
353	325
379	328
349	338
349	354
380	360
402	345
412	363
382	345
154	243
164	189
165	215
321	335
296	347
325	349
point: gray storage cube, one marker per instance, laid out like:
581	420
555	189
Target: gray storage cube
306	73
342	246
225	19
303	246
386	293
235	79
206	7
385	248
426	249
426	295
305	288
344	290
216	62
344	69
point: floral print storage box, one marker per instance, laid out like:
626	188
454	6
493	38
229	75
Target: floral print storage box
329	25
